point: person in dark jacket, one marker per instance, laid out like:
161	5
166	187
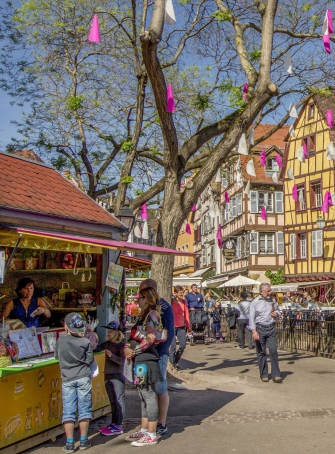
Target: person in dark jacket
216	314
114	379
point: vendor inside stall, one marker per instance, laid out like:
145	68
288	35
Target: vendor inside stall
26	307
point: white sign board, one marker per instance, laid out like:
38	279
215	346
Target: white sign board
27	341
114	276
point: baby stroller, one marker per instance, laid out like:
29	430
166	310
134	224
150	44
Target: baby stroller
198	322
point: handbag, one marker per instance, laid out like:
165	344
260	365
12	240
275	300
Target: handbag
161	335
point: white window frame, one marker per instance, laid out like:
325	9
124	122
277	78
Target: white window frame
238	248
226	213
246	245
253	242
303	246
317	243
269	207
212	254
266	238
233	207
280	243
293	248
204	257
318	195
253	202
239	203
279	202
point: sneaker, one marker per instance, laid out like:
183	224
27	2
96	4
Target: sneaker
145	440
135	436
177	366
84	444
161	430
69	447
221	340
277	380
265	379
110	430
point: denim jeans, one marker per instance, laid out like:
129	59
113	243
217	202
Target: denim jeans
77	395
161	386
175	354
115	385
216	329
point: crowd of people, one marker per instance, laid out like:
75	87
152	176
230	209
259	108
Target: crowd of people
143	357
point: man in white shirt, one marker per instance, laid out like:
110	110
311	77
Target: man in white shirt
243	332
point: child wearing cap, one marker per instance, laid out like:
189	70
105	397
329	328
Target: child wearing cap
75	357
114	379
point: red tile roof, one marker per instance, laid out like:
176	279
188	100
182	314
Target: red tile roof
277	138
259	169
35	187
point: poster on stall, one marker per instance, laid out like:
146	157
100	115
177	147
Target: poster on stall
27	341
114	276
2	265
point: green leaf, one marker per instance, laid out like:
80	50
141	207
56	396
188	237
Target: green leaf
127	180
222	17
127	146
307	7
75	102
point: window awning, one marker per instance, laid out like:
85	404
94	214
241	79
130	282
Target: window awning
293	286
200	272
102	243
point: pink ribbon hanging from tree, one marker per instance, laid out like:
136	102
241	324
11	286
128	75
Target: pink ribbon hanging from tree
305	150
329	117
263	158
170	101
226	197
218	233
245	91
278	159
330	21
188	229
326	202
220	244
194	208
263	214
94	35
326	43
295	193
144	212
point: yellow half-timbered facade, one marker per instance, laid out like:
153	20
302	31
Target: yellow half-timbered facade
309	247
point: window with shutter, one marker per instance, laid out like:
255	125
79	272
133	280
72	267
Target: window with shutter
293	248
303	245
280	242
253	202
226	213
253	242
224	180
246	245
204	257
233	207
212	254
279	202
238	248
317	243
239	204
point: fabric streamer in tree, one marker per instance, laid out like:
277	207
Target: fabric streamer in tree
251	136
333	198
245	88
144	212
194	208
327	202
170	18
327	28
278	160
292	131
262	158
288	62
292	111
145	233
94	35
329	117
242	146
218	176
330	151
263	214
137	231
219	236
250	169
170	100
295	193
290	174
211	209
188	229
275	177
247	188
226	196
304	147
301	154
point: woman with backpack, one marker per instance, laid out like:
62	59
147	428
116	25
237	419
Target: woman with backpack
181	319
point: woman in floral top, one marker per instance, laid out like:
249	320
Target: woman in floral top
141	348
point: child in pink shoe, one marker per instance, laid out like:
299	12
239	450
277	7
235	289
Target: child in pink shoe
114	380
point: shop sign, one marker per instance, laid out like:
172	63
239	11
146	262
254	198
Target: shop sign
229	250
114	276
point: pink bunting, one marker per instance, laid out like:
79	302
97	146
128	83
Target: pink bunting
278	159
94	35
170	100
327	202
326	43
226	197
263	158
329	117
180	185
219	234
330	21
305	150
144	212
245	91
295	193
263	214
194	208
188	229
220	244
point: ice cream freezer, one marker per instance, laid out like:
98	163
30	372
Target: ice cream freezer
31	402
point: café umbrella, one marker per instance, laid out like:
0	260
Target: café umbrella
240	281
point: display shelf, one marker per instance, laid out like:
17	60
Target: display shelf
72	309
61	270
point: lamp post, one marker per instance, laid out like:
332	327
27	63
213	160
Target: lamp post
126	216
320	222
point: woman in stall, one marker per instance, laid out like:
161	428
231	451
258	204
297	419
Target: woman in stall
26	307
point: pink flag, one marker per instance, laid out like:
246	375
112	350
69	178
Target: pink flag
194	208
144	213
226	197
188	229
326	43
94	35
305	150
325	205
220	243
329	117
170	100
330	201
263	214
245	91
180	185
219	234
278	159
295	193
330	21
263	158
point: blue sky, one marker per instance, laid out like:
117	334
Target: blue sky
8	113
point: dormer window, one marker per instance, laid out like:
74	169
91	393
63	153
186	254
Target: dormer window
271	164
311	111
